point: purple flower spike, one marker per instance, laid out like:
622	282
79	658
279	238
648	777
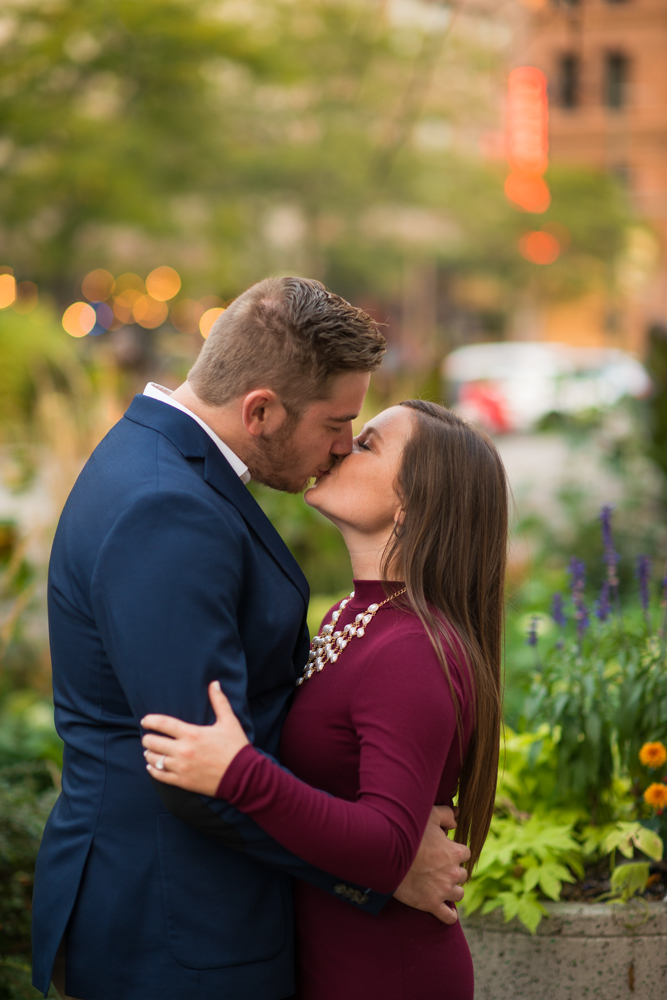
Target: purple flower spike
643	574
605	521
603	606
557	612
581	615
611	556
577	571
532	631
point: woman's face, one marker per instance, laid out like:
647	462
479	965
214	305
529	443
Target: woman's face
359	491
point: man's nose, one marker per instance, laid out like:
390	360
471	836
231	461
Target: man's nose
343	443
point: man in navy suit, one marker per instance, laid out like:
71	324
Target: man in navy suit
165	575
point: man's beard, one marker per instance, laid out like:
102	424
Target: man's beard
273	461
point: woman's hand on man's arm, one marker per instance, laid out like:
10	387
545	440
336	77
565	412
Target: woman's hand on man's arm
193	757
196	758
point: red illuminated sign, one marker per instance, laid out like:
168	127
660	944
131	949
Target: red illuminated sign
527	139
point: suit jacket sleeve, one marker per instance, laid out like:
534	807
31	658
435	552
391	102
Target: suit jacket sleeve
165	593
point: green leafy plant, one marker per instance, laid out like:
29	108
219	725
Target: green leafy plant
520	857
624	837
630	877
535	847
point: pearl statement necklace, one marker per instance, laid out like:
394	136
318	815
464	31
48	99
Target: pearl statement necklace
330	642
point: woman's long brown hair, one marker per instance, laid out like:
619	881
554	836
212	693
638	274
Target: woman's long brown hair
451	548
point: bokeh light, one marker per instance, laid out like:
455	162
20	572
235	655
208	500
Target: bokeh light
104	318
163	283
539	247
79	319
26	297
132	281
208	319
148	312
210	301
98	285
123	304
528	192
185	315
7	290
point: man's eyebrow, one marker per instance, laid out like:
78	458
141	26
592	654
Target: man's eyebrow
343	420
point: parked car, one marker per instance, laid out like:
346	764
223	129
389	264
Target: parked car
511	386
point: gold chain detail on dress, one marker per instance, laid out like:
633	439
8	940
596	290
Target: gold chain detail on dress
329	643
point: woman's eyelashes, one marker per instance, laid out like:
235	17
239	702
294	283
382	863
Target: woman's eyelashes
363	445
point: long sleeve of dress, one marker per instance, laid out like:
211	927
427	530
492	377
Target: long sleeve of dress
403	714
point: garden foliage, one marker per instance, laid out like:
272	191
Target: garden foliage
27	795
522	859
573	785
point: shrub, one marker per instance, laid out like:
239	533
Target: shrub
27	795
586	783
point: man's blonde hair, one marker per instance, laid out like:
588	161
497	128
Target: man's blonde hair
291	335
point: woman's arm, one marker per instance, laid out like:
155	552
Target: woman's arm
406	721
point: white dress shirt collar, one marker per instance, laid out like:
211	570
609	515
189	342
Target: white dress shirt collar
155	391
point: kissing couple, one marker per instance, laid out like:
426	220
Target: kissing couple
281	832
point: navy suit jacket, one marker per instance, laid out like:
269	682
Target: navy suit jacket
165	575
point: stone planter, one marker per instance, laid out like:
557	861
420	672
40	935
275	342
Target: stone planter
583	950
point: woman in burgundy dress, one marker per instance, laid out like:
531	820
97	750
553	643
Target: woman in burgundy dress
398	707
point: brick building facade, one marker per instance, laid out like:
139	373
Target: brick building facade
606	63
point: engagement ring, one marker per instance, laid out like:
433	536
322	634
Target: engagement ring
159	763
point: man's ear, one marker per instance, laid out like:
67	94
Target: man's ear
262	413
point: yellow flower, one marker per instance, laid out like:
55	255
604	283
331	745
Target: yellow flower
653	754
656	796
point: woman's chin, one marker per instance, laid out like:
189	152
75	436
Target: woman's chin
310	496
314	495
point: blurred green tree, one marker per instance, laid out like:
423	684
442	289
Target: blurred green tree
333	138
106	112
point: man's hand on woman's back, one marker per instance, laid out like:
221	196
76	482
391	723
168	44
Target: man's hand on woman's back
437	872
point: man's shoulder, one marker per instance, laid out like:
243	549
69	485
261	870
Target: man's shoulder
137	472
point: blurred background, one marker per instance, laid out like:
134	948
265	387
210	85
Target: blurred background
488	178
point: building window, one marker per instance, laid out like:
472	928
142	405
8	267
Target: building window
568	81
616	80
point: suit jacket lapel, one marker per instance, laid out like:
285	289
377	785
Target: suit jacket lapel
193	442
219	474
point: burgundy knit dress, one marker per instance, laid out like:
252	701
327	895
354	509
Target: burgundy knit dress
372	744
